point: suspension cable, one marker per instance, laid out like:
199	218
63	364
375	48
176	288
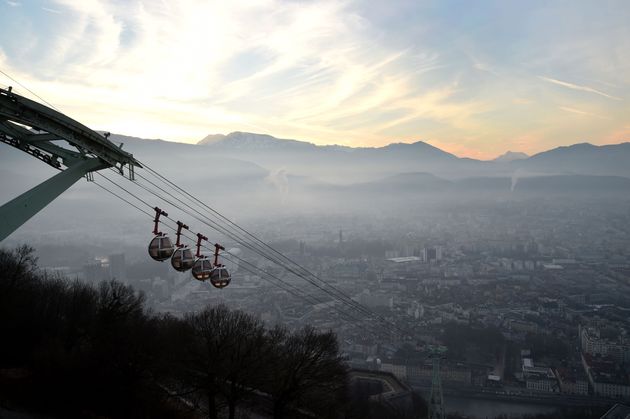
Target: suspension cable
343	298
333	291
284	285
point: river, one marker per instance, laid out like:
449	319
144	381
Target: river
488	409
482	409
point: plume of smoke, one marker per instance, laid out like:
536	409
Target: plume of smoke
515	177
280	181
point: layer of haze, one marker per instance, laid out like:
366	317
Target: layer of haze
473	78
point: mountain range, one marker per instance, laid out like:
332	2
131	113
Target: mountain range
246	174
349	165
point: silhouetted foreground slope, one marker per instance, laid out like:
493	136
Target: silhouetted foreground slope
73	350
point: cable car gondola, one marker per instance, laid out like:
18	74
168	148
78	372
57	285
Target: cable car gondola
183	258
219	277
161	247
202	267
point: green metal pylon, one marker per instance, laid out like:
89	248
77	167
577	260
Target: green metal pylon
19	210
38	130
436	400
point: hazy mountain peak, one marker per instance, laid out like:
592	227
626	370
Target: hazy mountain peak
414	148
250	140
511	156
211	139
584	146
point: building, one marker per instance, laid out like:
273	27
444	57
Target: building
592	343
606	377
373	300
539	378
363	346
117	267
432	254
572	381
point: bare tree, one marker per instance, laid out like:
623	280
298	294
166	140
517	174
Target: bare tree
246	349
307	372
203	365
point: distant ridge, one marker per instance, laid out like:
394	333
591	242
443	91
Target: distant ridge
581	158
344	164
253	141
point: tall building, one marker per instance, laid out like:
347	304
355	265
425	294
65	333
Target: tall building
118	267
432	254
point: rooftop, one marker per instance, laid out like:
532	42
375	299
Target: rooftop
405	259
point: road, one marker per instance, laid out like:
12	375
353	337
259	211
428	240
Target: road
522	397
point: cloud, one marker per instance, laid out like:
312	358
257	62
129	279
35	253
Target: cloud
13	3
578	87
326	71
314	70
579	112
49	10
482	66
522	101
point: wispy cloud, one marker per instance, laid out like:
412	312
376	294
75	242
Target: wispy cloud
327	71
13	3
305	70
580	112
482	66
579	87
522	101
49	10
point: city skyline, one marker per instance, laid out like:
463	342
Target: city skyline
474	80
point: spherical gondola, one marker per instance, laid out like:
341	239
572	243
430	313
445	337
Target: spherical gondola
202	268
219	277
183	259
161	248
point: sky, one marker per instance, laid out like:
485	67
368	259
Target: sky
475	78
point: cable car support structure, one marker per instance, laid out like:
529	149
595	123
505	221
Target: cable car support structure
37	130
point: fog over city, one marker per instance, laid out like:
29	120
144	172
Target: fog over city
327	209
532	250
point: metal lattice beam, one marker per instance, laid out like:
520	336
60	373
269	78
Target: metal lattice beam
16	109
41	131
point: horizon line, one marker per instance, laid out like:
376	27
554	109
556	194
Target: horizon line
373	147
